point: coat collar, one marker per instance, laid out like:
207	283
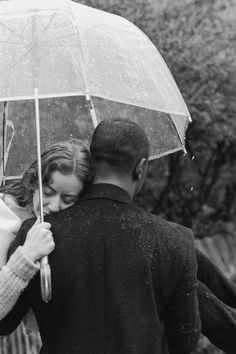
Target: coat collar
106	191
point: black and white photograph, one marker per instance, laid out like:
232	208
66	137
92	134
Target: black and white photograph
117	177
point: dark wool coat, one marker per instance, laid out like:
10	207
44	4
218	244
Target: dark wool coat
124	281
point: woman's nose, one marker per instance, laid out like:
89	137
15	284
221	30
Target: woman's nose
55	204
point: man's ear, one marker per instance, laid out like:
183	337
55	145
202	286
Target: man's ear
140	169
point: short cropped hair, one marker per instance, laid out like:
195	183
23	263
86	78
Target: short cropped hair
119	142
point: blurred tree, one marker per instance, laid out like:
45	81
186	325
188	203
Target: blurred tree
199	46
140	12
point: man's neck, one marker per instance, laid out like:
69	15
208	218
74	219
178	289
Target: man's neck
122	183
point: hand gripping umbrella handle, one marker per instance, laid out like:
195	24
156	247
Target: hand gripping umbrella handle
45	280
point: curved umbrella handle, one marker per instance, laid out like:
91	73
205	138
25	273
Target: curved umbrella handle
45	280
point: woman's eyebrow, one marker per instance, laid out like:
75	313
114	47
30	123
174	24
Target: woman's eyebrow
65	195
50	187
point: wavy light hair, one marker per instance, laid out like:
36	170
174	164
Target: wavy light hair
66	157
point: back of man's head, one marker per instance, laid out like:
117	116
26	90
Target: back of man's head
120	144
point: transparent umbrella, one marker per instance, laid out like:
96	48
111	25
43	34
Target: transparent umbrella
59	48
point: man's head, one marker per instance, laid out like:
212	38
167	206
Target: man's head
120	149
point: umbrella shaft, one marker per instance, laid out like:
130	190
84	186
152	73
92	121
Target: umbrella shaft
91	109
39	154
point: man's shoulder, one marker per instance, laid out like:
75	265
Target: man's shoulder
166	228
177	238
167	238
170	244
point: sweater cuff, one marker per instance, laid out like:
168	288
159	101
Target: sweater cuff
21	265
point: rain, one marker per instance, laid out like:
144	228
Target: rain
168	66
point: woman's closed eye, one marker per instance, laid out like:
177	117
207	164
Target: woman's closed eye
69	200
48	192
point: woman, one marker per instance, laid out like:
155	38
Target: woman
66	170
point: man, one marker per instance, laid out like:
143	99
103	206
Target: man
124	281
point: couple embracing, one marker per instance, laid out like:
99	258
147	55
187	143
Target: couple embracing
124	281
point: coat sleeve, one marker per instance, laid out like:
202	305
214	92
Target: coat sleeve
182	320
9	323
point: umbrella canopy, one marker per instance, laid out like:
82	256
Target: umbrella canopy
60	48
63	49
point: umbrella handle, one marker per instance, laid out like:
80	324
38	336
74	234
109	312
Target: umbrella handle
45	280
45	271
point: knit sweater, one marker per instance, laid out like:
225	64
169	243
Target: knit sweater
14	277
19	270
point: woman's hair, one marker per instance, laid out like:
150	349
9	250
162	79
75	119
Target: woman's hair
66	157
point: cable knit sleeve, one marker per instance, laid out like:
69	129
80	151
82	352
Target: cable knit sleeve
14	277
9	225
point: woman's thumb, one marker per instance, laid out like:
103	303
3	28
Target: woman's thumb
37	222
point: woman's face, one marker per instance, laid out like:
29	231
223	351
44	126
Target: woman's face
61	192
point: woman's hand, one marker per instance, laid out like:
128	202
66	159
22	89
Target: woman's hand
39	241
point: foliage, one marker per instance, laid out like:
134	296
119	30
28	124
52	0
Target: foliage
199	47
140	12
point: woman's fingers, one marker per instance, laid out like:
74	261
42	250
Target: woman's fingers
44	224
39	241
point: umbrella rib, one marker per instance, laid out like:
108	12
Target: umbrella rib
7	42
45	28
50	20
19	59
54	40
82	57
23	29
16	34
73	61
59	57
14	65
66	49
62	59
